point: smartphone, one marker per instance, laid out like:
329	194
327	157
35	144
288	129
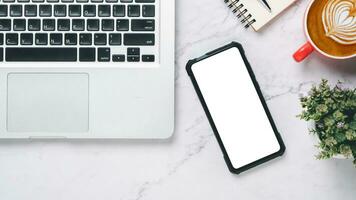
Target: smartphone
237	112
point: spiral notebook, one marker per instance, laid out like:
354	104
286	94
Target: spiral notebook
253	13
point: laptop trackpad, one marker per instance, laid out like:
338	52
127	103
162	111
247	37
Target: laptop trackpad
48	102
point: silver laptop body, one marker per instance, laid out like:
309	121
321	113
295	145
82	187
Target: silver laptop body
87	69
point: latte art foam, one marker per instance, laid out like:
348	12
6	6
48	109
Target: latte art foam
339	21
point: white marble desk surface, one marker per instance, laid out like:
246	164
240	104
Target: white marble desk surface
191	166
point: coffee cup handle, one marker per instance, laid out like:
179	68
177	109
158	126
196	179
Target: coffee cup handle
303	52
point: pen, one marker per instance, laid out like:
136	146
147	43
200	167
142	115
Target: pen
266	4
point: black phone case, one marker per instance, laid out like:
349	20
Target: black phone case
258	90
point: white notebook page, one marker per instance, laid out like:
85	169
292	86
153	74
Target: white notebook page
260	12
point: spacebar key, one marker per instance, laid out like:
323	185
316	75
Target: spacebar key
41	54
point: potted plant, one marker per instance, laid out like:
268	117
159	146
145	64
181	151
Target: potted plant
333	112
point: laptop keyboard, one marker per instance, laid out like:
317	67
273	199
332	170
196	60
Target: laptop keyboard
78	30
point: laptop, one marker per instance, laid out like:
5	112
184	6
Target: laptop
87	69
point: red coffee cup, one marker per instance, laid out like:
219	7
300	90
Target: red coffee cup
310	46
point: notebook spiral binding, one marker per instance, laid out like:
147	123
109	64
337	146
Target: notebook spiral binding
240	11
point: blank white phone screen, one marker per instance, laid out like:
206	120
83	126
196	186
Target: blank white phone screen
235	107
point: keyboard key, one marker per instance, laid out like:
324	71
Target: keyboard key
82	1
34	25
103	54
133	58
87	54
19	24
100	39
1	39
1	54
70	39
49	24
5	24
148	10
3	10
30	10
134	10
142	25
89	11
118	58
45	10
63	24
139	39
92	25
41	54
60	10
115	39
148	58
104	11
133	51
16	10
78	24
56	39
118	10
145	1
122	24
12	39
26	39
75	10
85	39
41	39
107	25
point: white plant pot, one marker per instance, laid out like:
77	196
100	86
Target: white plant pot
340	157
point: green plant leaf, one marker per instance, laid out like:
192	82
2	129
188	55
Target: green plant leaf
338	116
334	112
340	137
349	134
353	125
